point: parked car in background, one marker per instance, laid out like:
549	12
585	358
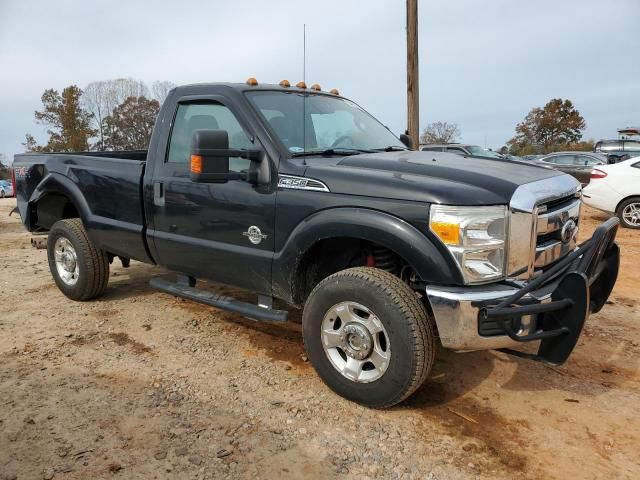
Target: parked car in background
617	156
530	158
616	189
577	164
461	149
6	189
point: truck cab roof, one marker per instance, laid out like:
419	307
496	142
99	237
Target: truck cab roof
246	87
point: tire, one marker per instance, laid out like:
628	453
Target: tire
83	270
1	193
625	213
407	330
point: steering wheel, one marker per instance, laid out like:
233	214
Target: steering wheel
341	139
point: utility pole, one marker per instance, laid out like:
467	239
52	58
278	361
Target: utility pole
413	102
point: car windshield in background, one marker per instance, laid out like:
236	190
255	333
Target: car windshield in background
481	152
308	123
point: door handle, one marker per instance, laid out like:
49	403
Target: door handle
158	194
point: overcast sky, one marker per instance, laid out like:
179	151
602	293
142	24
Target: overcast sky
483	63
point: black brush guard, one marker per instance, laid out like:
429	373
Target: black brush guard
579	284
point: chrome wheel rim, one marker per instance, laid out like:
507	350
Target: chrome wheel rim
356	342
66	261
631	214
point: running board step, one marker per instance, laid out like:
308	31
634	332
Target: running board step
219	301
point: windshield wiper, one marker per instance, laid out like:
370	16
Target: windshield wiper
391	148
333	151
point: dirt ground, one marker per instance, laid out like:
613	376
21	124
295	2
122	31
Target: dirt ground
140	384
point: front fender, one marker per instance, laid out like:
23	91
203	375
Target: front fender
378	227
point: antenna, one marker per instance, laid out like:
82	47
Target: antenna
304	96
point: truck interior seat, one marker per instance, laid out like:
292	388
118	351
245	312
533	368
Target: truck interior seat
202	122
284	129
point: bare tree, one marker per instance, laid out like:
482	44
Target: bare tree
93	101
102	97
160	90
440	132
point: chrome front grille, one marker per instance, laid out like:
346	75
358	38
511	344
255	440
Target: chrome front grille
537	213
552	217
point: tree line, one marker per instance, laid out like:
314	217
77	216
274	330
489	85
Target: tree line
119	115
114	114
554	127
5	172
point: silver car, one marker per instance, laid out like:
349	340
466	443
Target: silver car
578	164
6	189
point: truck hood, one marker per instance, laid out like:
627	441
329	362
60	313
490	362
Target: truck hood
430	177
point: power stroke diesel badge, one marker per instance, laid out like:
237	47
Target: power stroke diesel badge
254	234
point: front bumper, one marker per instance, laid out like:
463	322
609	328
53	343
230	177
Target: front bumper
551	308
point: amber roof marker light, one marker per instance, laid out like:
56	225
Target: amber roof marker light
301	85
316	87
334	91
284	83
252	82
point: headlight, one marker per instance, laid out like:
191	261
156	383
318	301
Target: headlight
475	236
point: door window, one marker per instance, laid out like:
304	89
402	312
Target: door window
588	161
206	116
456	150
561	160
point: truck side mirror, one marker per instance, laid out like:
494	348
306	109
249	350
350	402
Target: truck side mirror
404	138
209	156
209	161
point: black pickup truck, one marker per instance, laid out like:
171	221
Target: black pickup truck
298	194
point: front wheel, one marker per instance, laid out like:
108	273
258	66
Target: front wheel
368	336
80	270
629	213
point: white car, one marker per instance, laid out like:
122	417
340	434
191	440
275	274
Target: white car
6	188
616	189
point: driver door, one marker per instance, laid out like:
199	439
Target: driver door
202	229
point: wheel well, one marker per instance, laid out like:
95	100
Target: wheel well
50	209
624	200
331	255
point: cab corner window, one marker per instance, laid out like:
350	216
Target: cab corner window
206	116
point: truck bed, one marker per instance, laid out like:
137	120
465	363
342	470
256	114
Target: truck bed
139	155
102	188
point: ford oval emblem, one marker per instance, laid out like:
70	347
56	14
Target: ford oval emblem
569	230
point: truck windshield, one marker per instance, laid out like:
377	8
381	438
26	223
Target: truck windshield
308	123
481	152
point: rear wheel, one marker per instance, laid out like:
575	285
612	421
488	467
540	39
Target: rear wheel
80	270
629	212
368	336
